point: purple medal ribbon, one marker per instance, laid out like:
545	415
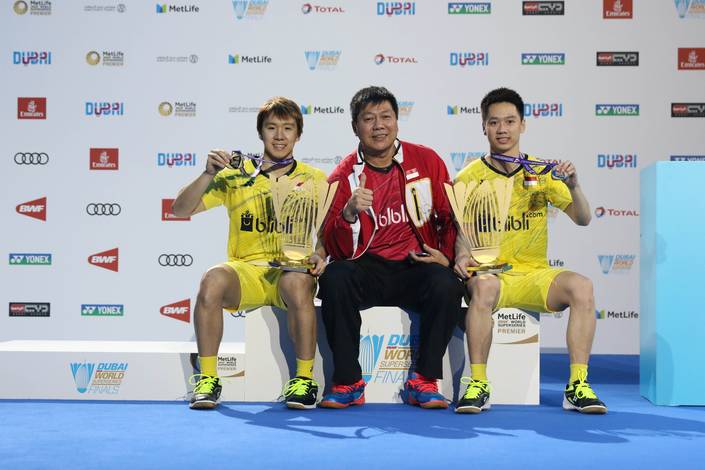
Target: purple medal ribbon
529	165
237	161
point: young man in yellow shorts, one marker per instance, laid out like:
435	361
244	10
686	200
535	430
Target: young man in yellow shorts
530	284
245	281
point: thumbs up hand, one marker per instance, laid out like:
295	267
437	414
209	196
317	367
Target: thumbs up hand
360	200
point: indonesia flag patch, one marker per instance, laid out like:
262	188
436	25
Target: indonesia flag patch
530	180
411	174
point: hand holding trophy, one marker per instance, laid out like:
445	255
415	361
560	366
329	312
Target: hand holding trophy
481	211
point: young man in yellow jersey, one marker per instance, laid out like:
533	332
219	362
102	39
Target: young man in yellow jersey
531	284
245	281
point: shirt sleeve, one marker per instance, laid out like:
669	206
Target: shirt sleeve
215	192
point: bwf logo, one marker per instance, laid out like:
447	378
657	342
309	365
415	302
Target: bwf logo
36	209
180	310
106	259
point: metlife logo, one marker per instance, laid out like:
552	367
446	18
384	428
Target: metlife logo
309	109
234	59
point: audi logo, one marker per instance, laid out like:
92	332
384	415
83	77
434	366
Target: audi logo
100	208
31	158
175	260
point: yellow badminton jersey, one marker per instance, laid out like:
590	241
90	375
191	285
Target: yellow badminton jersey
526	232
253	228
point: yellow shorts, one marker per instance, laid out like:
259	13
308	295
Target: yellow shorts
526	290
259	285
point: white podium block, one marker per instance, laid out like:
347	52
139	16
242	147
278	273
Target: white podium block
388	340
111	370
513	365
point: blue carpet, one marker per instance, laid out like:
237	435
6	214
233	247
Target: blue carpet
107	435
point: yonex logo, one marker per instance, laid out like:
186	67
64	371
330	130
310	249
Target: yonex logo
616	109
102	310
99	208
31	158
29	259
555	58
175	260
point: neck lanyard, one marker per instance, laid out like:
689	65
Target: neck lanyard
237	162
529	165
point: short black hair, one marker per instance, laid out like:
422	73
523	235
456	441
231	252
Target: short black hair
372	94
501	95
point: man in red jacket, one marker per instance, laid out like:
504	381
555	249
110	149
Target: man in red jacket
391	235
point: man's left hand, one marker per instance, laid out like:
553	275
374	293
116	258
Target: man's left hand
567	169
432	256
320	264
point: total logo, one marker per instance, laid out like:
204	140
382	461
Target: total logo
391	59
538	110
104	159
102	310
30	259
619	264
180	310
469	59
616	161
623	59
32	108
690	8
322	60
36	209
606	211
392	366
543	8
469	8
618	315
165	8
691	58
617	9
31	58
30	309
104	108
234	59
106	259
543	58
454	110
462	159
687	110
250	9
307	8
310	109
396	8
616	110
103	379
168	213
176	159
34	7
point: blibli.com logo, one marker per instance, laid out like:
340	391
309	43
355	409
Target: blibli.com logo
105	379
250	9
387	361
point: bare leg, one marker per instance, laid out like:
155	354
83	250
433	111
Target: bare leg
296	289
484	292
220	287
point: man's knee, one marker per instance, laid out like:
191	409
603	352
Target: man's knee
581	292
336	274
445	284
484	289
296	288
213	286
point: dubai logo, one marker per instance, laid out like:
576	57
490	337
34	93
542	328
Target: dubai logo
322	60
250	9
370	347
82	374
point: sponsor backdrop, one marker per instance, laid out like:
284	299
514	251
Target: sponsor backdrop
108	108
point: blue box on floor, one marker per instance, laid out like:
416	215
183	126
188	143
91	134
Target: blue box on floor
673	283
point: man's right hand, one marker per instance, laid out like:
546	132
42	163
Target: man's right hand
217	160
360	200
461	265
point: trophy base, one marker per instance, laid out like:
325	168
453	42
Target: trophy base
293	266
490	268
